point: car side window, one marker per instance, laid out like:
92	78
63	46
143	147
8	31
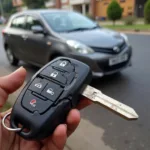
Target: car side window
18	22
31	21
14	23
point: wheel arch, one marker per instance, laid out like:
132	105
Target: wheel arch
59	49
54	55
5	46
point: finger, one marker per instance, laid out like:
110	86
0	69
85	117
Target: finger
84	103
58	139
73	121
11	83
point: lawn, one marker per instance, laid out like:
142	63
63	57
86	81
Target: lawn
6	107
141	27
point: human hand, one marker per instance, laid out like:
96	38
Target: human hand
11	141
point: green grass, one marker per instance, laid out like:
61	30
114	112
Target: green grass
6	107
141	27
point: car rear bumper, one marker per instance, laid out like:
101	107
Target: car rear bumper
99	62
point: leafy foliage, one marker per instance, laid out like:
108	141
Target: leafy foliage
130	20
90	16
114	11
147	12
7	6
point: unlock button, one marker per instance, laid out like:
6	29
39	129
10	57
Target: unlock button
54	74
52	91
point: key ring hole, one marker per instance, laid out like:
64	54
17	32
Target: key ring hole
23	128
25	133
15	123
9	128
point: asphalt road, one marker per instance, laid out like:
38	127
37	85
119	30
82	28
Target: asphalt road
131	87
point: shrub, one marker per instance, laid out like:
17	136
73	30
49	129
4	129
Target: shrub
130	20
147	12
90	16
114	11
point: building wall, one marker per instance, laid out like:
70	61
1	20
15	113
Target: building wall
65	2
102	5
53	3
50	4
79	2
17	3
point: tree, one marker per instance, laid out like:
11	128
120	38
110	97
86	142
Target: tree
114	11
34	4
147	12
8	7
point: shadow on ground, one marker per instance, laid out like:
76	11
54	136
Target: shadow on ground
120	134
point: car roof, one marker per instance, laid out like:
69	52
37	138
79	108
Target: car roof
40	11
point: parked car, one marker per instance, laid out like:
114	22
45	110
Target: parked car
38	36
2	20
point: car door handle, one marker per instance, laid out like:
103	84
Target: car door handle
24	37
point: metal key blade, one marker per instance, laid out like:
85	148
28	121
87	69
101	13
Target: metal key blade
98	97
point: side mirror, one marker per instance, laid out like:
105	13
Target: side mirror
38	29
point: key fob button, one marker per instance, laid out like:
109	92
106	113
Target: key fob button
38	85
54	74
33	103
52	91
64	65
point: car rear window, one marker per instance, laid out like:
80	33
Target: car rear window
18	22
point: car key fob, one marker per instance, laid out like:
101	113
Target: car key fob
46	100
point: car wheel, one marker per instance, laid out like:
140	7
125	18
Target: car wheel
116	74
54	56
11	58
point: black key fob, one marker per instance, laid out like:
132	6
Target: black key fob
46	100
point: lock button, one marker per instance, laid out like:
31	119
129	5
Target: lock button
54	74
64	65
52	91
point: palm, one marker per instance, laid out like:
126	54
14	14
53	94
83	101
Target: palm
10	140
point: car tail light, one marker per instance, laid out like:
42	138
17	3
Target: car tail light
3	31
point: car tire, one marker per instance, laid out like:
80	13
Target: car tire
11	58
54	56
116	74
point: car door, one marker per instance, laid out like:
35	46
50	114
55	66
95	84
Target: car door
14	36
37	45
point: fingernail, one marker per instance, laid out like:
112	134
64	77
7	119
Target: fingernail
21	67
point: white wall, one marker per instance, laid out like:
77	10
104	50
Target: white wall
75	2
66	7
50	3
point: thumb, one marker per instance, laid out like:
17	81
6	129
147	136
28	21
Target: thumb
10	83
58	140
